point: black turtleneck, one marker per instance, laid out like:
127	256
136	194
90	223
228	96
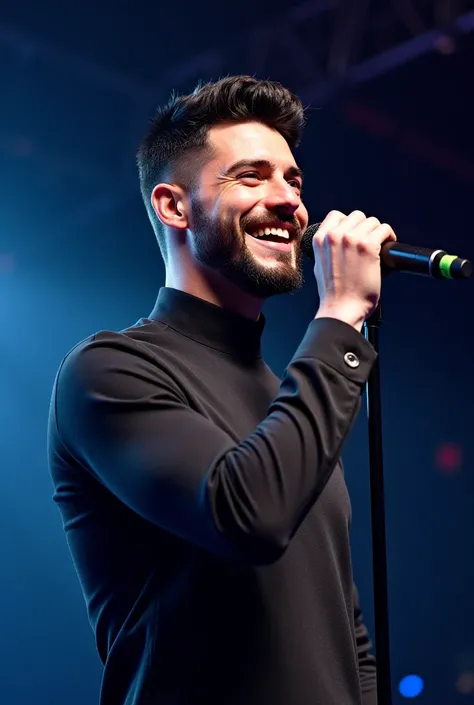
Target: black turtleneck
206	509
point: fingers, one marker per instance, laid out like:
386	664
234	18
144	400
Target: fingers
374	231
331	221
365	227
385	233
347	264
351	223
355	226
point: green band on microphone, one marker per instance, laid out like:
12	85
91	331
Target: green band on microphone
445	265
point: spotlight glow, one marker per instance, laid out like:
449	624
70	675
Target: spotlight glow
449	457
411	686
465	683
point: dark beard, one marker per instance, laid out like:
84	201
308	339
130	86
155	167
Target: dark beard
219	247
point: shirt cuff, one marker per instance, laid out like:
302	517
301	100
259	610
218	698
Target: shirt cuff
340	346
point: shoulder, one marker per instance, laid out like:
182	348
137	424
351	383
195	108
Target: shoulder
136	353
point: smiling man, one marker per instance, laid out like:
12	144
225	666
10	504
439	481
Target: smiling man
203	498
241	219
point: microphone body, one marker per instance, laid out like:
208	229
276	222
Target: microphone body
395	256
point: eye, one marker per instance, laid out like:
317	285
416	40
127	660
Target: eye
296	184
250	175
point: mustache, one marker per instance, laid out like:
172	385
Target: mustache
271	220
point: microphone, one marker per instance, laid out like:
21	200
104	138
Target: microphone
395	256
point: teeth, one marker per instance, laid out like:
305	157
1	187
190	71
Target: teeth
273	231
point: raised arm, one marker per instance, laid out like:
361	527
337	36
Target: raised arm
127	422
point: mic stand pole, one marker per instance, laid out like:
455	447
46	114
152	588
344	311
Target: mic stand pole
379	554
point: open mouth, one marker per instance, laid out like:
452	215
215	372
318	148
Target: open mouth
272	234
275	238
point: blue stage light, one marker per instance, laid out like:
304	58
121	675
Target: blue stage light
411	686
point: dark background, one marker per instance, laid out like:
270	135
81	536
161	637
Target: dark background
390	89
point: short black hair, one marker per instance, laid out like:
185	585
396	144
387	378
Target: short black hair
177	135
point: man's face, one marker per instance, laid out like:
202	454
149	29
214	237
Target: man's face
249	186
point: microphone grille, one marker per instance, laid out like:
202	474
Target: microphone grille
307	240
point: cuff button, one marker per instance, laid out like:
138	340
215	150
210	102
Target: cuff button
351	360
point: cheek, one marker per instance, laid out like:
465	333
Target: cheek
231	206
244	199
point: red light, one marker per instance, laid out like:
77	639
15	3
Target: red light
449	457
465	683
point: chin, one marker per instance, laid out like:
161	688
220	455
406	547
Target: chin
263	282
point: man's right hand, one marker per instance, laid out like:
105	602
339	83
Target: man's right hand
347	265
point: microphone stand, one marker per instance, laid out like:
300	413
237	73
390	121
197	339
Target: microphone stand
379	552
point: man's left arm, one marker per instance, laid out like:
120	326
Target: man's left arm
367	665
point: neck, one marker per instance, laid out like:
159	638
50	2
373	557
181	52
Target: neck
215	288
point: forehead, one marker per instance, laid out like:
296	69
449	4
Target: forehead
249	140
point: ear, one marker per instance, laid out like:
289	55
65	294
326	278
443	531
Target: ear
169	204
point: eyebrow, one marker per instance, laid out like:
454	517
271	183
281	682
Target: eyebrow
292	171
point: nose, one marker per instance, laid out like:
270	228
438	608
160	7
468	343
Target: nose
282	196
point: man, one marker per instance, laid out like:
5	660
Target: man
203	498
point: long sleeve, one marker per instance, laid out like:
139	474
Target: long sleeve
128	421
367	664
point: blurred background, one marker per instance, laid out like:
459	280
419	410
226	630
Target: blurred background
389	87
